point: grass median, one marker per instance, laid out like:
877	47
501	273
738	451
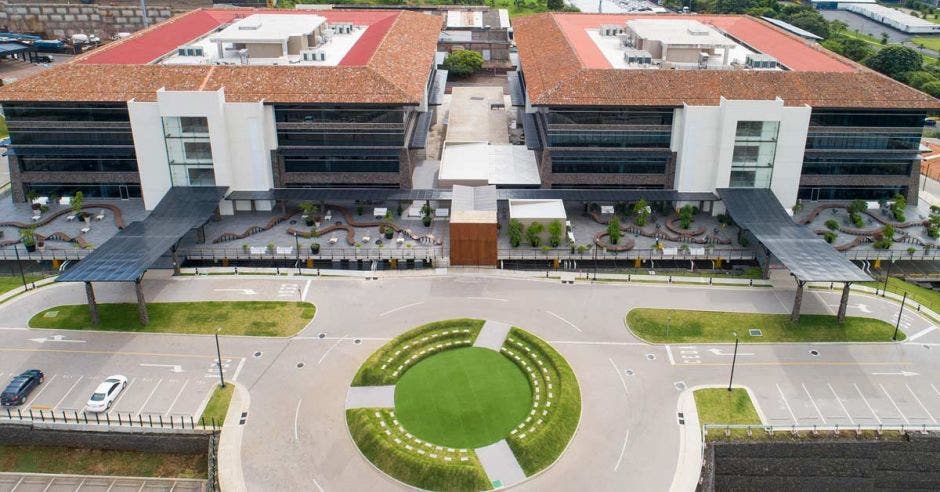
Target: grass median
8	283
81	461
218	405
686	326
929	298
252	318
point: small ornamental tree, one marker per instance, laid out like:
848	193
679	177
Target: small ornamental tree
642	211
554	233
77	202
534	234
686	216
832	224
462	63
514	231
613	230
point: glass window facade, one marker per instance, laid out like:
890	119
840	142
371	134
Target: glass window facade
620	163
850	192
752	160
71	138
341	164
89	190
609	128
188	151
862	164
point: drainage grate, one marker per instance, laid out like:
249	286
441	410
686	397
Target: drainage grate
300	365
927	346
754	332
243	418
257	354
814	353
476	98
357	341
680	385
51	314
321	335
651	356
681	418
629	372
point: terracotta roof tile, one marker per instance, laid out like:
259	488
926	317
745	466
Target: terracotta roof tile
563	66
394	71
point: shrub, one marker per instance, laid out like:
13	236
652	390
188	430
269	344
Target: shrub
829	236
78	201
582	249
642	211
797	207
426	220
882	244
911	250
28	237
462	63
933	231
613	230
686	214
725	219
514	231
554	233
857	220
888	232
857	206
534	234
832	224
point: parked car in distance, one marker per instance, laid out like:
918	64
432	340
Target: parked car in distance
44	59
20	387
5	142
106	393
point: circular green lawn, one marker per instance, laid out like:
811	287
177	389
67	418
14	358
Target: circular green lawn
463	398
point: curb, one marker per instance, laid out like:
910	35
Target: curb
231	478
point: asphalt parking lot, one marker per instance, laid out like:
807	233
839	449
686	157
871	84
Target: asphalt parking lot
155	390
29	482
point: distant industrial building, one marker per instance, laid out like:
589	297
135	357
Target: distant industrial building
890	17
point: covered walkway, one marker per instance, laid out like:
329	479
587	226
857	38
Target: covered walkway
806	255
126	256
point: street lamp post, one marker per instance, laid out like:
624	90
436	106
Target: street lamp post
297	248
734	359
16	250
218	354
898	324
884	288
595	262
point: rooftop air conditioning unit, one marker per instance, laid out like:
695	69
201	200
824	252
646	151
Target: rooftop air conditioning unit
611	30
760	61
314	55
638	58
344	28
249	26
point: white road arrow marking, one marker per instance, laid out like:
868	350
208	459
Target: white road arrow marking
55	338
173	368
729	354
902	373
247	292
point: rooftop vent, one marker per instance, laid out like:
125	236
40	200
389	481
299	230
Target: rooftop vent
698	30
252	25
314	55
342	28
637	57
189	51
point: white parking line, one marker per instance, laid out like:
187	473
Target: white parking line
672	361
935	389
811	400
622	381
839	400
168	410
238	369
296	417
67	392
406	306
920	403
149	397
45	385
303	296
622	450
123	392
331	348
317	484
896	407
785	402
566	321
870	409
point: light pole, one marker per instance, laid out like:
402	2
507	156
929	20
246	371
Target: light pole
734	359
887	274
595	261
218	354
16	250
297	247
898	324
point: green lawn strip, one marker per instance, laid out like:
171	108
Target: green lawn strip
371	372
463	398
718	406
218	405
4	131
80	461
541	448
929	298
8	283
407	466
927	42
687	326
254	318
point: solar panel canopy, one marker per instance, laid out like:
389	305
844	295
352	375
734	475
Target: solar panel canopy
127	255
808	257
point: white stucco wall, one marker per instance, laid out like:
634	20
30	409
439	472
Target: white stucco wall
704	137
242	136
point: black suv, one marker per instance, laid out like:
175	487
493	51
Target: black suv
20	387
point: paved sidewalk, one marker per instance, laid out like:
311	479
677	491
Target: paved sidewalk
492	335
231	477
371	397
500	464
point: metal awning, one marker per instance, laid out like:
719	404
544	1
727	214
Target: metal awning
809	258
377	194
516	94
127	255
532	140
420	136
436	92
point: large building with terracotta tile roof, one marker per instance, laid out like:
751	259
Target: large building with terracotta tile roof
250	99
698	103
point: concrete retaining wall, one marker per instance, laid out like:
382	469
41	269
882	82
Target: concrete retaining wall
61	19
103	437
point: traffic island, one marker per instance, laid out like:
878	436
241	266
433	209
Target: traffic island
463	405
687	326
250	318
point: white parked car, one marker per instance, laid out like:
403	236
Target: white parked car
106	393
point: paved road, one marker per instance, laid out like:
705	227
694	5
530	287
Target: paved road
295	436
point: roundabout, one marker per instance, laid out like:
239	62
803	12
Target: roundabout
463	404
